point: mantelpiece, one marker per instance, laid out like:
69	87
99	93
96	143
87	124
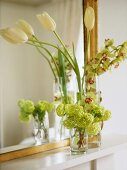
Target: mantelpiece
60	159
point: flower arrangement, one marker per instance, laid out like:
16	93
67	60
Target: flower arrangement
38	112
28	110
86	114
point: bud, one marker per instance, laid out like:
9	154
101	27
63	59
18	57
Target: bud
14	35
46	21
89	18
109	42
26	27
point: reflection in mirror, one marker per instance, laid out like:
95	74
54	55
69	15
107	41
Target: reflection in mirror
23	72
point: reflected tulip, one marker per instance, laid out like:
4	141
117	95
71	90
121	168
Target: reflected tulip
89	18
14	35
46	21
26	27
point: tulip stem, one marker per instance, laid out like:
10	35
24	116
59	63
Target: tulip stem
76	68
58	37
40	42
78	75
56	66
45	58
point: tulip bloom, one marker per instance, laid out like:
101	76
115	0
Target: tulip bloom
89	18
14	35
46	21
26	27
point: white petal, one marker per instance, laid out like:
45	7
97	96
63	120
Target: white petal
26	27
89	18
14	35
46	21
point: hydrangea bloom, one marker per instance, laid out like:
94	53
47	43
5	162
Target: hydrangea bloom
74	109
60	110
94	129
107	115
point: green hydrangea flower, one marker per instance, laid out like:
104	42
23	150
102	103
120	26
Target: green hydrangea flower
60	110
28	106
85	120
107	115
94	129
97	111
96	119
73	109
69	123
21	103
89	118
44	106
24	117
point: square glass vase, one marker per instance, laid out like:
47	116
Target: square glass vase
94	141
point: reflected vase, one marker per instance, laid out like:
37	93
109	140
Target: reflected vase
78	141
61	132
41	130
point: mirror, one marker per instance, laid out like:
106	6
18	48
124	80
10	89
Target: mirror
23	72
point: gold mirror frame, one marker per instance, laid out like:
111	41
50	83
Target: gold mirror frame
50	146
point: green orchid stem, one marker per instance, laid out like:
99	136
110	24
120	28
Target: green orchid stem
45	58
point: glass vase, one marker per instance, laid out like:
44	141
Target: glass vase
94	141
61	132
41	130
78	141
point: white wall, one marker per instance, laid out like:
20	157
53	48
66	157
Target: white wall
113	24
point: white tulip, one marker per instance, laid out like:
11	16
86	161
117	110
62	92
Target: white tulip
26	27
14	35
46	21
89	18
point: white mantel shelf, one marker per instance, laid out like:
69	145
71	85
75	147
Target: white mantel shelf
61	159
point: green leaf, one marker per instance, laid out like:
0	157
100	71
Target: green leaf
77	72
62	74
